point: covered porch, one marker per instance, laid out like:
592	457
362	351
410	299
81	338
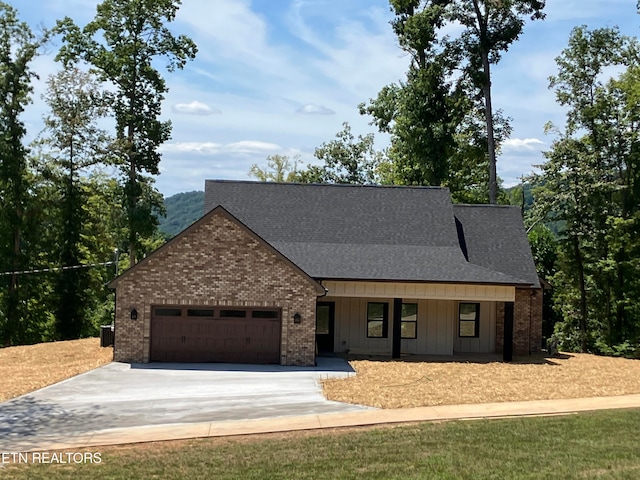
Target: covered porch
399	319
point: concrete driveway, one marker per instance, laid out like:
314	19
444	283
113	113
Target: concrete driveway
120	395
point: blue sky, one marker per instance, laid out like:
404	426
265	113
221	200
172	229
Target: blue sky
280	77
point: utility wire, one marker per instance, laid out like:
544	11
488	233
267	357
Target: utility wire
58	269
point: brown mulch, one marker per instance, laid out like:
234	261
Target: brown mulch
384	383
403	384
24	369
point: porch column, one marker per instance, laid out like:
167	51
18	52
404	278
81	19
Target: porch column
396	332
507	349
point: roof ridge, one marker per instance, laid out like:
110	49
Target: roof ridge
490	205
332	185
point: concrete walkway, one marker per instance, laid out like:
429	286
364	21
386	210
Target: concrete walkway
155	433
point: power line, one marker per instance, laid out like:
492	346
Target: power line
58	269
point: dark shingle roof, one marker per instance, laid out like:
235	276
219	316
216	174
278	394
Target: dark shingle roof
357	232
495	238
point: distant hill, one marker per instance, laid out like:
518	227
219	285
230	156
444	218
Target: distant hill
182	210
185	208
516	194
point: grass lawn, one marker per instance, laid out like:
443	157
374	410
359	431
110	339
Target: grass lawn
603	445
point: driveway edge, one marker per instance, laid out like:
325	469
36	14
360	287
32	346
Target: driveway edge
182	431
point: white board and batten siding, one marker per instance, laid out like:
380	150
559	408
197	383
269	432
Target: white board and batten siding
351	326
437	327
486	341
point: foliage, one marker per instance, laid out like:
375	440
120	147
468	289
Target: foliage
544	247
346	160
590	184
73	142
18	48
134	35
433	116
490	27
182	209
280	168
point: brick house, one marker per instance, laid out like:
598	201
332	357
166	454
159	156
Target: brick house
277	273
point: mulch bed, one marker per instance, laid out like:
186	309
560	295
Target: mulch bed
403	384
24	369
378	383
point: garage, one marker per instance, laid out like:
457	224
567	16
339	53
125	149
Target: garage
215	334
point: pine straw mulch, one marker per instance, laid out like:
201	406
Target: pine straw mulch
404	384
24	369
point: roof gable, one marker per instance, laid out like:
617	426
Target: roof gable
184	235
494	237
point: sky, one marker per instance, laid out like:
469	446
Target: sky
281	77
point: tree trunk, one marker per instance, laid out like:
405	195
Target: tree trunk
132	199
488	113
583	296
483	19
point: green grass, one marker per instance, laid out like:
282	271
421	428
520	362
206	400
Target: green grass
603	445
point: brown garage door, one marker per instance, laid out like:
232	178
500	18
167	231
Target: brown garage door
215	334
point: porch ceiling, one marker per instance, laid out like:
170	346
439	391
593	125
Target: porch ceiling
435	291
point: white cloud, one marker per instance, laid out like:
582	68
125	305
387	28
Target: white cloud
245	147
251	146
194	108
358	56
186	168
521	144
312	109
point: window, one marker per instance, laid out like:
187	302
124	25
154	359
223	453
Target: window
377	320
409	320
233	313
469	320
167	312
264	314
199	312
323	325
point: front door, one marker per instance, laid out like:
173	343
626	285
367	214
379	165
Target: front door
324	326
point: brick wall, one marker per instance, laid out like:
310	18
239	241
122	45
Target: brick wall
215	262
527	322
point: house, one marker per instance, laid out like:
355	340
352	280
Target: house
276	273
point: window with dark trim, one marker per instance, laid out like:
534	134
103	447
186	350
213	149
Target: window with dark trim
469	320
264	314
233	313
199	312
167	312
409	321
377	320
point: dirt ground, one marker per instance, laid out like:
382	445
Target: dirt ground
379	383
402	384
27	368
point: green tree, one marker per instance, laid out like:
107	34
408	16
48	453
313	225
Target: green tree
73	142
18	48
347	159
544	247
280	168
429	116
134	36
590	184
422	114
490	27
